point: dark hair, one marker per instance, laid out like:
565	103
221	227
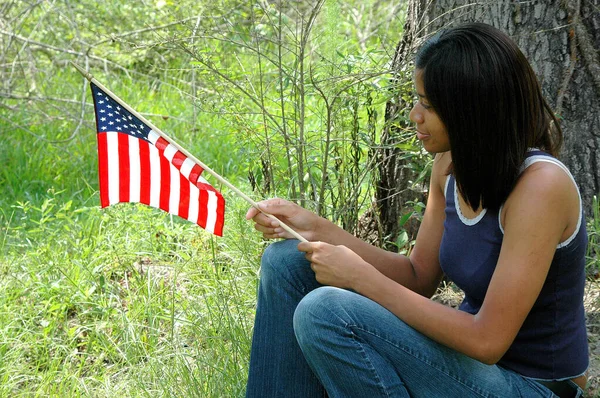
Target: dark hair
485	92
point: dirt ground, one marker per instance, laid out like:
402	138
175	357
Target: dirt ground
449	295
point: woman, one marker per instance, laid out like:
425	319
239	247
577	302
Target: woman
503	221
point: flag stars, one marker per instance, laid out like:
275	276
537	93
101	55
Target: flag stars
110	114
102	119
109	106
100	102
111	122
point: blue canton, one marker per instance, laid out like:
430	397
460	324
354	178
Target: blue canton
110	116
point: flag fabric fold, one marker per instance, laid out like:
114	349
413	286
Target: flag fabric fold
136	164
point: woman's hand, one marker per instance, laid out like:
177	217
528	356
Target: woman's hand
336	265
299	219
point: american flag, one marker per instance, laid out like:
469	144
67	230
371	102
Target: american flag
136	164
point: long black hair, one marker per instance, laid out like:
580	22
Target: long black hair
485	92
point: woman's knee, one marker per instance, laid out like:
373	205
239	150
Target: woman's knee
282	259
322	308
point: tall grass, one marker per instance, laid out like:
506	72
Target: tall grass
125	302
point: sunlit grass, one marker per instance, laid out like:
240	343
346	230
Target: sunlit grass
124	301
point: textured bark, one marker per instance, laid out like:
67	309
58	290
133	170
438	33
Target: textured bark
561	39
394	187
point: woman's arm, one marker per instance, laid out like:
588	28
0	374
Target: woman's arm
420	273
537	216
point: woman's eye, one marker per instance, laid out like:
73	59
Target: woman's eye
424	105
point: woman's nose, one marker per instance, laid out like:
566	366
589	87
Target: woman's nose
415	116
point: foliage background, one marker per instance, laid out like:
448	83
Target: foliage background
281	98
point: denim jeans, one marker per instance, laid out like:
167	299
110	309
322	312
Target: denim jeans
315	341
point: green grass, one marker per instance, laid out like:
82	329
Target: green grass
125	301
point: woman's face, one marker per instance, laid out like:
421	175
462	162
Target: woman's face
430	129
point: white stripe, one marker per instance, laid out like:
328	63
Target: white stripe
194	199
211	218
153	136
134	169
174	191
154	176
170	151
112	145
186	167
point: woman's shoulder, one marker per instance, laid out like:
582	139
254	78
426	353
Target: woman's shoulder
441	166
546	185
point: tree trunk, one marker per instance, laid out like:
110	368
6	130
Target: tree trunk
393	186
561	39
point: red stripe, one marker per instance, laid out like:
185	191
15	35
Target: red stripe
124	180
195	173
220	215
161	144
165	183
178	159
145	172
184	197
206	186
203	208
103	169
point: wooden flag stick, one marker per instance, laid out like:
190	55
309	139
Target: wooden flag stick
186	153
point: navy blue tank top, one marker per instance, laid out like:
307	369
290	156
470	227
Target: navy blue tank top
552	343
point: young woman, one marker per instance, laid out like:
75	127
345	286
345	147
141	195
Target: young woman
503	221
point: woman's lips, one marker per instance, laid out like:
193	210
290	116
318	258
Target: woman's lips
422	136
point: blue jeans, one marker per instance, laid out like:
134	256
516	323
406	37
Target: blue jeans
315	341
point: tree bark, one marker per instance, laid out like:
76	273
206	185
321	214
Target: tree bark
394	187
561	39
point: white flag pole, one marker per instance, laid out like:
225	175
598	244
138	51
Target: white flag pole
186	153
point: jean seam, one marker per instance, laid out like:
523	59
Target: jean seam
420	358
369	362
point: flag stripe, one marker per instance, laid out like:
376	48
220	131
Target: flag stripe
145	172
174	191
170	151
203	208
154	177
153	136
112	142
161	144
184	200
123	150
220	216
178	160
165	183
194	203
103	169
134	169
211	216
186	168
195	173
